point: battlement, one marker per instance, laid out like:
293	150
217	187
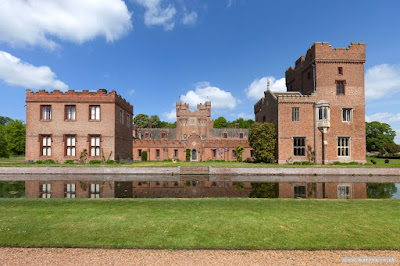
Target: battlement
324	51
182	109
91	96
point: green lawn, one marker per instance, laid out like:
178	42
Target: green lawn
201	223
20	161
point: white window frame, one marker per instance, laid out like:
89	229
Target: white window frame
94	191
46	112
46	191
95	141
344	191
70	112
70	145
341	149
46	145
70	191
95	112
347	114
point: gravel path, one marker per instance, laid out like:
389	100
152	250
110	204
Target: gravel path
58	256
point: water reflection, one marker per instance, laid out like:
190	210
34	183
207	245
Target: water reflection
195	189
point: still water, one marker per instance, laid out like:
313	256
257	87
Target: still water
196	187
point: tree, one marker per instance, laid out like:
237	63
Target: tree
167	125
142	120
242	123
155	121
220	122
4	120
14	133
378	134
3	144
381	190
262	138
239	150
391	147
264	190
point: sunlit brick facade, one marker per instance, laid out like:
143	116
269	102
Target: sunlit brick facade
60	126
323	108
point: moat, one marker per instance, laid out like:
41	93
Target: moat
198	186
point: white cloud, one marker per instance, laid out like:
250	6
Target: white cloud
131	92
382	81
15	72
384	117
41	22
230	3
204	92
156	15
245	116
256	89
170	116
189	18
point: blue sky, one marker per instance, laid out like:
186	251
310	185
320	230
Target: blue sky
155	52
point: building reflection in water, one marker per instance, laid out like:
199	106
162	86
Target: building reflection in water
192	189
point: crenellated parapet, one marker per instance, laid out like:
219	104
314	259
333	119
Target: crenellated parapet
78	96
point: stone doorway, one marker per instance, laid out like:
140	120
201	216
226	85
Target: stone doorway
194	155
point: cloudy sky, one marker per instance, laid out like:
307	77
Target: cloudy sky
155	52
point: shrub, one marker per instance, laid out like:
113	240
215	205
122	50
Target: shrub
262	138
49	161
187	155
373	161
39	162
83	156
188	183
110	162
297	163
94	162
144	155
239	150
307	163
387	161
69	162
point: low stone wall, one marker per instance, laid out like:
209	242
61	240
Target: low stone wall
277	171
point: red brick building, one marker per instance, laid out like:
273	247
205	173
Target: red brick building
195	131
60	126
323	108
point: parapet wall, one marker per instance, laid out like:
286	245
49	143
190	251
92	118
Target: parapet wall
98	96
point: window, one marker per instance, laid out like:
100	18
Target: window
46	146
128	121
176	153
163	135
263	118
70	112
251	153
300	192
158	153
225	135
45	191
121	116
295	114
94	191
299	146
94	145
340	70
140	153
240	135
45	112
95	112
323	113
343	146
340	86
214	152
70	145
346	114
233	154
344	192
70	191
147	135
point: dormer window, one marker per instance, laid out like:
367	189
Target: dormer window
225	135
240	135
147	135
163	135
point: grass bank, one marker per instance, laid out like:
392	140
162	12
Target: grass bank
201	223
19	161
